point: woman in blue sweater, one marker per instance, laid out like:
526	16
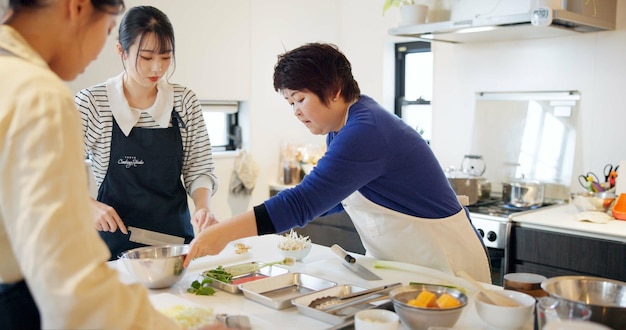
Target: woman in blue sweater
376	168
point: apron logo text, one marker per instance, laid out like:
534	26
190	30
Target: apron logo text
130	161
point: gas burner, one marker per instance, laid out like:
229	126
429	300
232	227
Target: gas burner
521	209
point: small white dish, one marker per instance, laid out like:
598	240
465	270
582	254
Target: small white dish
298	255
376	319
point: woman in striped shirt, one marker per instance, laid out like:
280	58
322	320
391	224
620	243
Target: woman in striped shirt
142	133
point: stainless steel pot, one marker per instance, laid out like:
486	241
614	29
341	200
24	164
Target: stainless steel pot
523	194
475	189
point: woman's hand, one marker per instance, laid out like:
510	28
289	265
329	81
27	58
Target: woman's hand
206	242
106	218
203	218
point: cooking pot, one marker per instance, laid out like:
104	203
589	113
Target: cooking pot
475	188
523	194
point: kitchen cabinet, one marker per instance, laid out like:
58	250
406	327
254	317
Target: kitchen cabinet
551	253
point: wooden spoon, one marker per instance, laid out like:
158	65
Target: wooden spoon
495	297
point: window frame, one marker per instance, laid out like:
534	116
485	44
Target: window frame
231	109
401	50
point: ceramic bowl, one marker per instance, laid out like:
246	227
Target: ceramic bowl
156	267
296	254
416	318
505	317
376	319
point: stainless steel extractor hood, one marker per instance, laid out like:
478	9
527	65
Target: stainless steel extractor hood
568	17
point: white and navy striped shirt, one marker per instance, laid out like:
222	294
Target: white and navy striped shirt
95	105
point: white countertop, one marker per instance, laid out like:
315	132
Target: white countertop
321	262
562	219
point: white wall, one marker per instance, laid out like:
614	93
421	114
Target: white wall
356	26
590	63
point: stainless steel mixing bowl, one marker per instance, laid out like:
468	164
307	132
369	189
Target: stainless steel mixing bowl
605	297
590	201
417	318
156	267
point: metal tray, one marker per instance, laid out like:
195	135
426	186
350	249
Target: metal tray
254	275
278	291
336	316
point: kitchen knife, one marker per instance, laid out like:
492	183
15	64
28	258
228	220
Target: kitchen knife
351	264
150	237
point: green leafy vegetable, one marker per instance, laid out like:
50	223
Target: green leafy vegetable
219	274
201	288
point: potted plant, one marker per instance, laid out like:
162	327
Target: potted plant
396	3
410	12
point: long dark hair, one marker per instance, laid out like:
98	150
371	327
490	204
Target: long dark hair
141	20
319	68
107	6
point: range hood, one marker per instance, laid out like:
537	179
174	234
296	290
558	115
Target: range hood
567	17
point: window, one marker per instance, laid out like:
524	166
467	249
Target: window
222	122
414	80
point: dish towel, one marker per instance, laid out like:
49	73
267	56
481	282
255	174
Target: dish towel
244	175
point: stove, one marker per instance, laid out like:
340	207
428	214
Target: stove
492	220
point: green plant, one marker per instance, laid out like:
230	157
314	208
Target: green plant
396	3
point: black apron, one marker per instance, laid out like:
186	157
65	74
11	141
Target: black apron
17	307
143	184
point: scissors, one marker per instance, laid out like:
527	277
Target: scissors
610	174
590	182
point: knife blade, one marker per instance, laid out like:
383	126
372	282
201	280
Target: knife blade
150	237
351	263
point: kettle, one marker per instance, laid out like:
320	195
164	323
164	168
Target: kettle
469	181
473	165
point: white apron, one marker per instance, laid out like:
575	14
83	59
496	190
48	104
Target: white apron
447	244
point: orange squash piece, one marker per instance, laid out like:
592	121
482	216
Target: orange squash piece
425	299
447	301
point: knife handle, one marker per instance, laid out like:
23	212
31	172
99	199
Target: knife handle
342	253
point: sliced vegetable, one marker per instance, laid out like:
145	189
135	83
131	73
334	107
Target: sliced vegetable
424	299
447	301
459	283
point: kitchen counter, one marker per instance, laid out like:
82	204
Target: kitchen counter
321	262
561	219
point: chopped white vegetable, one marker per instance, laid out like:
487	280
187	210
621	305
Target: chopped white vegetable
292	241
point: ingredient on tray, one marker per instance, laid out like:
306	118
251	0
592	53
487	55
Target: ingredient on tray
241	248
203	287
248	279
252	267
219	273
190	318
293	241
428	299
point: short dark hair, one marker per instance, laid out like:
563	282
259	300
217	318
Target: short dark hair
320	68
109	6
141	20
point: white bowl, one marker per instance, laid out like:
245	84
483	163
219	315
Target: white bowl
505	317
296	254
376	319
